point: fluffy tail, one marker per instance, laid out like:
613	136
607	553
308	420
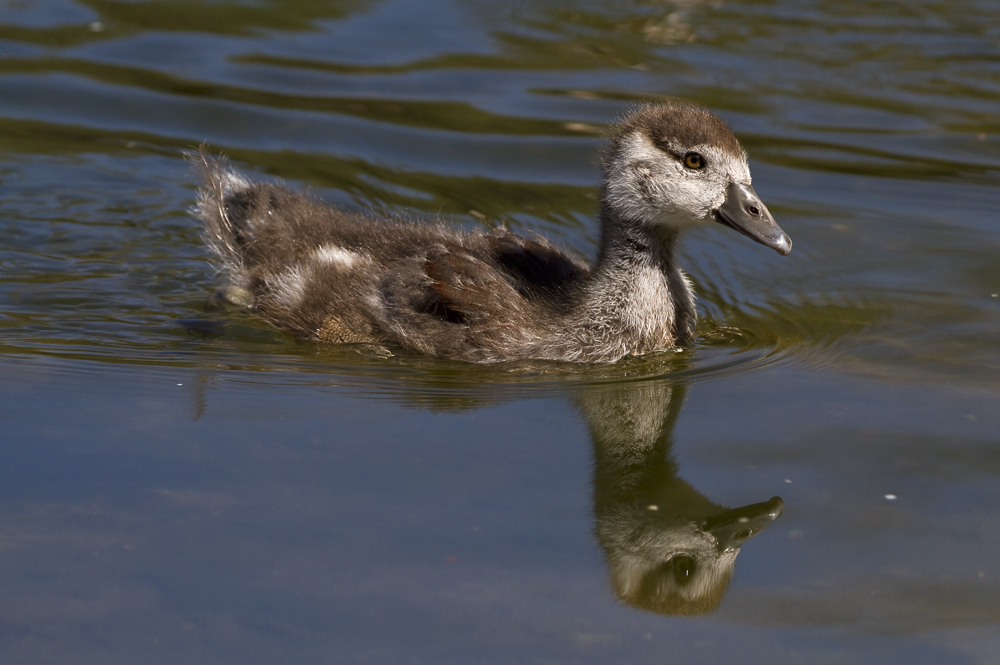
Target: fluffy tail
219	184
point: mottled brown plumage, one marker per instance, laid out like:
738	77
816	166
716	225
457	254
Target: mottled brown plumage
331	276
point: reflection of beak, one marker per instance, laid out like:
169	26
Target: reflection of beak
734	527
744	211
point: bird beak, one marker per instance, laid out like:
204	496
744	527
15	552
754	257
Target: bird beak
734	527
744	211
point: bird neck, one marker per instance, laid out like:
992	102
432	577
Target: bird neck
636	283
631	244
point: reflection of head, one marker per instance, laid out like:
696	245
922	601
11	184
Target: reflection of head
669	549
668	569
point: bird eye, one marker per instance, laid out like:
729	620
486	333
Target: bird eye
683	568
693	160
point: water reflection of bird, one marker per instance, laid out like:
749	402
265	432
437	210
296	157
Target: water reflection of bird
669	549
326	275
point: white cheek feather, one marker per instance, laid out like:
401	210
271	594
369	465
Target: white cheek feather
735	167
334	255
652	186
625	192
638	147
691	206
723	168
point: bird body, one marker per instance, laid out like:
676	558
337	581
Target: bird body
489	296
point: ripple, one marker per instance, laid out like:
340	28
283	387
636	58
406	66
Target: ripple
497	125
805	335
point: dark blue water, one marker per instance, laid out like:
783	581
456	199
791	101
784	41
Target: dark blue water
169	497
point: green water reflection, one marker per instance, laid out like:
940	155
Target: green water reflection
281	499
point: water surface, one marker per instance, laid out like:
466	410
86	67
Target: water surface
167	496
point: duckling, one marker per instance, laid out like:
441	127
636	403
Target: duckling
488	296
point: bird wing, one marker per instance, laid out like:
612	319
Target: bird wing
473	297
536	267
467	288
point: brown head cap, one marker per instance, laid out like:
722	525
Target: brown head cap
677	123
